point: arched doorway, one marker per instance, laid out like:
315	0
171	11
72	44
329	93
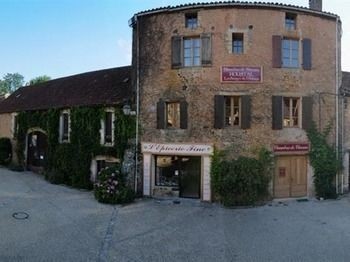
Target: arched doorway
36	150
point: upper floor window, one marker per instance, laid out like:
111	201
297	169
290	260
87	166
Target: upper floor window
290	21
232	110
172	114
192	51
107	127
191	20
290	53
64	126
291	111
237	43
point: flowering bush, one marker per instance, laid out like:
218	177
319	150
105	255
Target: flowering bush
110	187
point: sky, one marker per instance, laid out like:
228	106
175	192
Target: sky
66	37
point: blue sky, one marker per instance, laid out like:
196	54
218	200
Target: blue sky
65	37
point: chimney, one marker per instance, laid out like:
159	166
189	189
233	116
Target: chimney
315	5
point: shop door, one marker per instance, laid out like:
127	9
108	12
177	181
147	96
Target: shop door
37	150
290	177
190	176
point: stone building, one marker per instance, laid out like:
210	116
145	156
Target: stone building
235	76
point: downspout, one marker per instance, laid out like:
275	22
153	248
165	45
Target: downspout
337	102
137	101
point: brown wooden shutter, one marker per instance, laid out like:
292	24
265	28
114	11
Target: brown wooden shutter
306	108
245	112
219	112
276	51
176	51
206	49
161	114
307	61
277	112
183	114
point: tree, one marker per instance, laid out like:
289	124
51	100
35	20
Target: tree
39	79
11	82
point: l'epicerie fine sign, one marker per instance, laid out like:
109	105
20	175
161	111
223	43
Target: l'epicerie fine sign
241	74
190	149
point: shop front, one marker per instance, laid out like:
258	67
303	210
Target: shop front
177	170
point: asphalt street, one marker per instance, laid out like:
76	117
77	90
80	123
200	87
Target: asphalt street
66	224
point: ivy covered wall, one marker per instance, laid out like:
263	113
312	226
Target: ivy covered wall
69	163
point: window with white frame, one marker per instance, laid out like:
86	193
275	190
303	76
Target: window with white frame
290	53
64	126
192	51
232	110
107	128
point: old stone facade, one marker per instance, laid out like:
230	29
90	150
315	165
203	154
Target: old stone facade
234	76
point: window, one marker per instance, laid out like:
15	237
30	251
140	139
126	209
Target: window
290	53
232	110
192	51
237	43
107	127
290	21
191	20
64	126
101	164
173	115
14	125
167	171
291	111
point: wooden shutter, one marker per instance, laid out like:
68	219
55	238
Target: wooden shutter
161	114
183	114
176	51
276	51
277	112
219	112
206	49
245	112
307	61
306	108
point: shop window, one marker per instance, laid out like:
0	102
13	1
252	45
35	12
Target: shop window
234	111
191	20
290	21
64	126
237	43
167	173
172	114
291	111
191	51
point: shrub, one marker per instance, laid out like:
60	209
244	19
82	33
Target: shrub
243	181
111	188
55	177
5	151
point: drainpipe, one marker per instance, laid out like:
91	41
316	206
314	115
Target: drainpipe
337	101
137	101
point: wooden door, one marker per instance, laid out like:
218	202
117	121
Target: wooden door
290	177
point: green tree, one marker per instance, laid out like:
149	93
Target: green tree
11	82
39	79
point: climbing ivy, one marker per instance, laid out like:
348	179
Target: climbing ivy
323	158
69	163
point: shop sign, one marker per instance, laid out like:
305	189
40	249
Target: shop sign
181	149
293	147
241	74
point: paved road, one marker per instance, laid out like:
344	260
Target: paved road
66	224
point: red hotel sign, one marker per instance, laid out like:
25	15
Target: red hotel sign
241	74
298	147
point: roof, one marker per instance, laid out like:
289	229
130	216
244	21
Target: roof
103	87
236	4
345	87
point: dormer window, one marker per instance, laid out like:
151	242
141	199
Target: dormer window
191	20
290	21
